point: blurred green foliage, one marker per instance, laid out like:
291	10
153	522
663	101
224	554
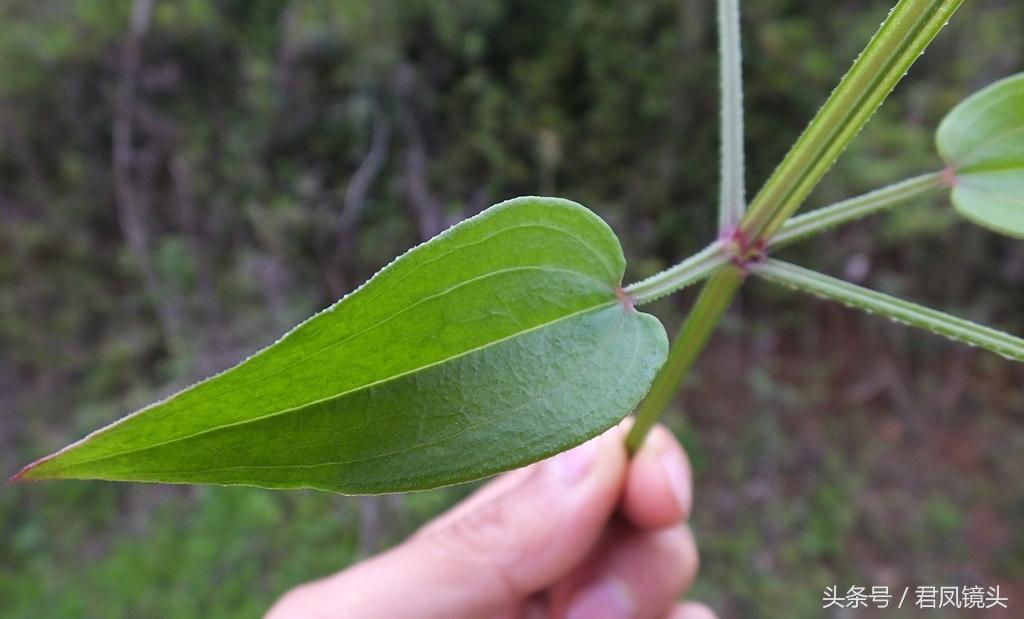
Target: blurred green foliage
230	208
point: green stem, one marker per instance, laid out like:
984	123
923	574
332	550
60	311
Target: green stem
730	58
819	220
714	299
714	256
903	36
907	312
689	271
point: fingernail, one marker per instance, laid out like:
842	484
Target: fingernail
676	473
573	465
605	600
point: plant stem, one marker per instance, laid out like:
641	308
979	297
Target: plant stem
730	58
903	36
819	220
907	312
689	271
705	262
714	299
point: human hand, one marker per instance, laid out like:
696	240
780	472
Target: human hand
587	534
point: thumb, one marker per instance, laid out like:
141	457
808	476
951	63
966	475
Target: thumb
516	536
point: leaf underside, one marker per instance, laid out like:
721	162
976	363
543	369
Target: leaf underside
502	341
982	139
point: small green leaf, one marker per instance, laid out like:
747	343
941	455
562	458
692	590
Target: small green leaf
982	140
502	341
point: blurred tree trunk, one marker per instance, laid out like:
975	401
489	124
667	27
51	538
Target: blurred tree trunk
131	192
341	263
423	202
200	244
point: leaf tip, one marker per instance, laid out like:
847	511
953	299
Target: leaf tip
20	475
29	472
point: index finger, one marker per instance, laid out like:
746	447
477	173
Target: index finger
659	483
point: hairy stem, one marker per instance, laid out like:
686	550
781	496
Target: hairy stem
689	271
903	36
714	299
819	220
907	312
711	258
730	58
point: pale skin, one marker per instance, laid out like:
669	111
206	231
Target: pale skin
588	534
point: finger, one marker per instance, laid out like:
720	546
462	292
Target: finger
490	491
692	610
659	484
487	558
534	607
637	574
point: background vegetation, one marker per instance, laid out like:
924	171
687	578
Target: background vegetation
178	189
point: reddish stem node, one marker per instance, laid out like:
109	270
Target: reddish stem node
741	251
628	301
949	176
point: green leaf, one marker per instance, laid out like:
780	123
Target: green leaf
819	284
982	140
502	341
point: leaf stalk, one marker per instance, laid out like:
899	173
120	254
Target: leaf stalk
900	310
731	248
689	271
819	220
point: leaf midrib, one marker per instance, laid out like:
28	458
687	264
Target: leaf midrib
969	158
431	297
612	270
221	395
295	409
218	396
632	361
